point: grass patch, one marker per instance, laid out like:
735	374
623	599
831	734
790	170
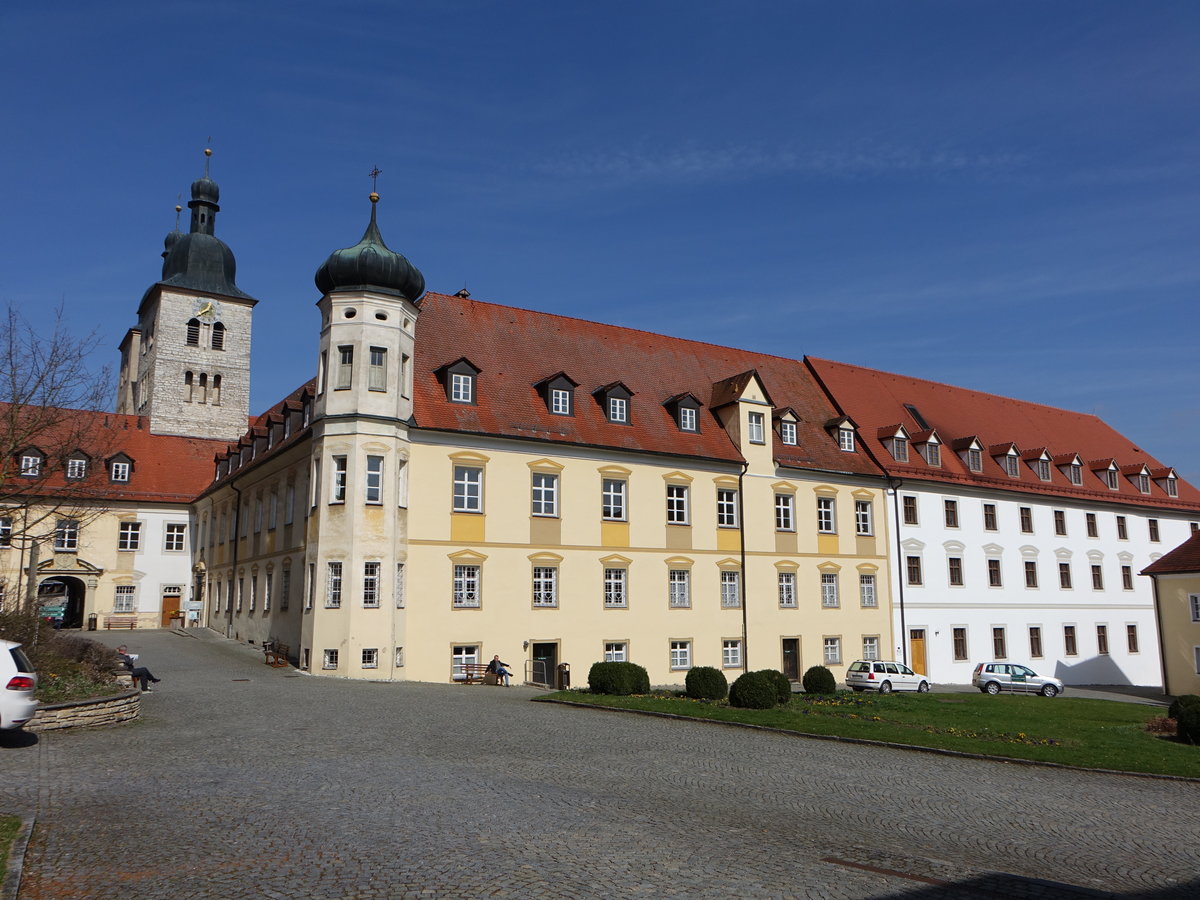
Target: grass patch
1093	734
9	826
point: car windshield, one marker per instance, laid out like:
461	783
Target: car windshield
1021	670
905	670
860	667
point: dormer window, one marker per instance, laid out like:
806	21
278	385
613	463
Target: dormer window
119	469
845	438
614	399
618	409
895	439
462	388
787	433
458	378
31	463
1011	465
931	452
1171	485
755	430
1075	473
558	392
685	410
688	420
1041	468
1109	477
1143	483
76	467
975	460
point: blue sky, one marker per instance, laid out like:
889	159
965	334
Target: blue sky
998	195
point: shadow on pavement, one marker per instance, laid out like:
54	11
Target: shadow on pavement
998	886
17	737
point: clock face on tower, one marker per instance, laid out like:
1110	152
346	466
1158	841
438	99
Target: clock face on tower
207	309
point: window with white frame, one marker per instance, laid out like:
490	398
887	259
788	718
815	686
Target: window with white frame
370	658
755	431
787	590
679	588
681	655
333	585
832	651
545	494
175	536
615	588
866	590
374	480
677	504
129	536
76	468
31	465
826	517
468	489
398	586
329	659
731	589
370	585
612	499
731	654
337	493
618	409
466	586
560	402
787	432
846	439
345	369
125	600
66	535
687	419
545	586
864	518
377	369
461	657
616	651
5	532
785	512
399	657
462	388
870	647
727	502
829	590
119	472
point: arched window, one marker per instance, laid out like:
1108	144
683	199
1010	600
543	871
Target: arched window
187	387
216	390
193	332
203	387
218	336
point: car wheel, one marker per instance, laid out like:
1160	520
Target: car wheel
923	687
1049	690
885	687
992	688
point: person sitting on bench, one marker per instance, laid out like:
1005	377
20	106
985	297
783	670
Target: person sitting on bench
140	673
499	669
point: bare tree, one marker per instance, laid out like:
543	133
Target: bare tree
52	443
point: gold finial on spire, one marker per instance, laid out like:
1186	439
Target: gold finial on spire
178	210
207	156
374	176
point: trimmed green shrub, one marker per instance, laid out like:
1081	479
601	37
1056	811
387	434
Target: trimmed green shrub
1188	728
819	680
706	683
754	690
1180	702
619	678
783	687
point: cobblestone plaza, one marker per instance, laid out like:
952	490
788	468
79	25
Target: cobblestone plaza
242	781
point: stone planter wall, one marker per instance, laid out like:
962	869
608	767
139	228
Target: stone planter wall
84	713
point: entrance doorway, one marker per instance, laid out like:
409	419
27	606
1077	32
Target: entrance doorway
916	650
170	605
543	663
60	599
791	658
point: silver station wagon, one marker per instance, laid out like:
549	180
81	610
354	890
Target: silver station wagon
884	676
994	677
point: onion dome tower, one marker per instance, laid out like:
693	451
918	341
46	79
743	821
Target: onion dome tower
370	265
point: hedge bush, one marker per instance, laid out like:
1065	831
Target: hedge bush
706	683
783	687
754	690
619	678
1180	702
1188	728
819	680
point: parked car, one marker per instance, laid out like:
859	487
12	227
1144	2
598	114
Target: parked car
19	681
994	677
884	676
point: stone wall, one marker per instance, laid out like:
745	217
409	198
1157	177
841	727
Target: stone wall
85	713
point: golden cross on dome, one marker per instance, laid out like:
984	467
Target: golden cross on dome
374	176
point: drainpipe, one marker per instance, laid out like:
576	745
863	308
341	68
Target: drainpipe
894	485
237	532
1162	643
742	563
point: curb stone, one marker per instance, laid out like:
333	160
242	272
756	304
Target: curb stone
16	856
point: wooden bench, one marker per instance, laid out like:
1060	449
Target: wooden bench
276	654
475	673
129	622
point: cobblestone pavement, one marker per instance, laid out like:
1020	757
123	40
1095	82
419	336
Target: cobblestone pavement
242	781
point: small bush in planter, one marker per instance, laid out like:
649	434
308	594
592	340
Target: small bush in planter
706	683
754	690
1180	702
1189	724
783	687
619	678
819	680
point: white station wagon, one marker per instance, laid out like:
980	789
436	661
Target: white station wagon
884	676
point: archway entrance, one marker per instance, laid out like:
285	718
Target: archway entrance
60	598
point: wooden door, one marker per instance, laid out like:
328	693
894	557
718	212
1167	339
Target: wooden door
916	650
791	658
170	606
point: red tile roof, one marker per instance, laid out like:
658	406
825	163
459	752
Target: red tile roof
1183	559
517	347
874	399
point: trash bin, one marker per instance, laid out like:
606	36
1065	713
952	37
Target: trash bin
563	681
92	622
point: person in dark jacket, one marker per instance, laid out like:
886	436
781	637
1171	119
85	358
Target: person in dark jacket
140	673
499	669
